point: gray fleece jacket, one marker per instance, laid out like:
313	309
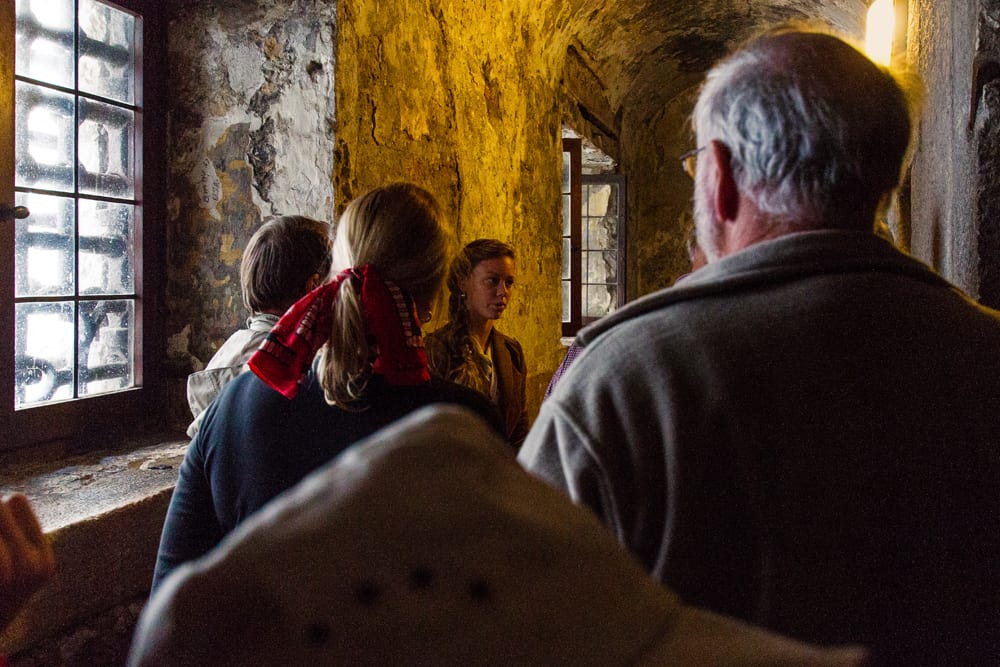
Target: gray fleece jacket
806	435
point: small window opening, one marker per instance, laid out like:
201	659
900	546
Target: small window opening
593	232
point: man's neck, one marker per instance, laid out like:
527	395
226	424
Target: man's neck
749	227
752	226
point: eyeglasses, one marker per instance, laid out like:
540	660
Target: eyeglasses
689	160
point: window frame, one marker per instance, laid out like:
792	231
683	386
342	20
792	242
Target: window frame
95	421
574	146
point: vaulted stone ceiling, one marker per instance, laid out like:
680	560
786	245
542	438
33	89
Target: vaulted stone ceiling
646	52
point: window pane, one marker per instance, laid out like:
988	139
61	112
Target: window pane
566	268
43	361
597	300
106	248
566	215
44	246
106	51
43	135
105	346
566	172
601	267
72	247
45	41
597	197
601	225
609	258
566	301
106	133
601	232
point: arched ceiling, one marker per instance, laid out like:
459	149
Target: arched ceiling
647	52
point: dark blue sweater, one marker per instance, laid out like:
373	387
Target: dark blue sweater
254	444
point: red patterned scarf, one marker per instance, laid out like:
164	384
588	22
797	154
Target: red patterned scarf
390	322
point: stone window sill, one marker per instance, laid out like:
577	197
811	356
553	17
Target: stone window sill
103	513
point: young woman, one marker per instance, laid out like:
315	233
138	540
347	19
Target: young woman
468	349
270	428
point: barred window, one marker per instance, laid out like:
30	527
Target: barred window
593	221
78	211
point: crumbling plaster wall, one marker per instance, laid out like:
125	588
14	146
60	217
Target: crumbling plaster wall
251	131
446	94
460	97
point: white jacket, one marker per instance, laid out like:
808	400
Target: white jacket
228	362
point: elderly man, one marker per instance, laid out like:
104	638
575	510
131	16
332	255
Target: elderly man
804	433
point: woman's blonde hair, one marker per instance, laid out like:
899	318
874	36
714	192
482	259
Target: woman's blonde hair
396	229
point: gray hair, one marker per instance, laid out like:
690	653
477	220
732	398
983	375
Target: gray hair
817	132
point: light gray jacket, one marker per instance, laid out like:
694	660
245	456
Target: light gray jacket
228	361
805	434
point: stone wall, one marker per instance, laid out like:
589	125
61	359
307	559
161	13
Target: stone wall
102	513
986	135
659	196
103	640
251	134
459	97
954	207
441	94
941	48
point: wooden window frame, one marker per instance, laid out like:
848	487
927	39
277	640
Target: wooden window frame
97	421
577	320
573	146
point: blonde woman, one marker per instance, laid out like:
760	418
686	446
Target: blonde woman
468	349
270	428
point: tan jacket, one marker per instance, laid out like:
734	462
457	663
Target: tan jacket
511	372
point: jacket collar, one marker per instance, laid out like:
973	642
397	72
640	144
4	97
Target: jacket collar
261	321
790	257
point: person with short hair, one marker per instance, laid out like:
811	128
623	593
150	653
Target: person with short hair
287	257
298	409
469	349
802	433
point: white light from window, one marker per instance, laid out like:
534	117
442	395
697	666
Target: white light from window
45	267
52	15
46	337
43	136
46	57
878	34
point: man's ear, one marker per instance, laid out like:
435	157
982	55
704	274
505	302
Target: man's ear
726	195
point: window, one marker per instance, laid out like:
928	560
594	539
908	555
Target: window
593	275
75	300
